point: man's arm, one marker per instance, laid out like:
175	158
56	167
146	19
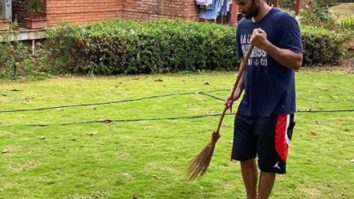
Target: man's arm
285	57
239	89
241	84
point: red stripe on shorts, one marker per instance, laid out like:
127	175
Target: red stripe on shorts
280	141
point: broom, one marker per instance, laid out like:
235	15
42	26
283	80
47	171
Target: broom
199	164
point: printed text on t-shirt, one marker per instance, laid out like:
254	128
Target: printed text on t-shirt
258	56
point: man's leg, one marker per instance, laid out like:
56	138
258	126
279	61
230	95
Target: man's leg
274	134
265	186
249	172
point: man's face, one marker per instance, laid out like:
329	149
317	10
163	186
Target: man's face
249	8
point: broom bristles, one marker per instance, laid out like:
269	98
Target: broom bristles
200	163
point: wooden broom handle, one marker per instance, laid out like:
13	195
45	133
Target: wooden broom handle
241	71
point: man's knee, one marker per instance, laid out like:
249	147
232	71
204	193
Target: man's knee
248	163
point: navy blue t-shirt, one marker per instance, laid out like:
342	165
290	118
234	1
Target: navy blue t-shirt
269	86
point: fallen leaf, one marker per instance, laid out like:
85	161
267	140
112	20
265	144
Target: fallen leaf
156	177
92	133
313	133
105	120
5	151
28	98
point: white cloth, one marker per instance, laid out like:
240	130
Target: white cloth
204	2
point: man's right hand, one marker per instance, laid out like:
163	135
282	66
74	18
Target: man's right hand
230	100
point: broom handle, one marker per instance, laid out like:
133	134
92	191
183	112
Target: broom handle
241	71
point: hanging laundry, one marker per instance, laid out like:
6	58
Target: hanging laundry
225	8
212	12
204	2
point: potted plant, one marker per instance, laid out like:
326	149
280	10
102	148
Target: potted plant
5	24
35	17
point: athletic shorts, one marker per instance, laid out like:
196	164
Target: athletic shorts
267	138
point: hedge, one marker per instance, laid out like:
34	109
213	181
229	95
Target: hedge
133	47
346	23
144	47
322	46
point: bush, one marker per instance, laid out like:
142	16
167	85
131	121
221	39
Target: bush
347	23
131	47
322	46
16	59
316	13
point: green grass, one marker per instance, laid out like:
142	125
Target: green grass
147	159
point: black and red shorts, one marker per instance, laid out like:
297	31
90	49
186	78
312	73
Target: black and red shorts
267	138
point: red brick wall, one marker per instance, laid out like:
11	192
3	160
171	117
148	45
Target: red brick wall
82	11
85	11
150	9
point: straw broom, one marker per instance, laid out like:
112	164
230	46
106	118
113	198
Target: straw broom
199	164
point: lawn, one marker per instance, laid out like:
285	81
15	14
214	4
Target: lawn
132	136
343	9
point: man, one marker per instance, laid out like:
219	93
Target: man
265	118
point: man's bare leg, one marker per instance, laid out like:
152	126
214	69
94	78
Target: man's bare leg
250	176
265	186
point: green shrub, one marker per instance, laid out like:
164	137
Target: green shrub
347	23
13	56
316	13
322	46
132	47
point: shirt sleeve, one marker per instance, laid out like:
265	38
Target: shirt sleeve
238	44
289	34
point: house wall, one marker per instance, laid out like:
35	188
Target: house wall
85	11
151	9
82	11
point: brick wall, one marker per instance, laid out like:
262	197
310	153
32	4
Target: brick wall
85	11
151	9
82	11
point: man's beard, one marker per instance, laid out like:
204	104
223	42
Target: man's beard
254	10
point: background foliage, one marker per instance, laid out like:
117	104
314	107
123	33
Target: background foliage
160	46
